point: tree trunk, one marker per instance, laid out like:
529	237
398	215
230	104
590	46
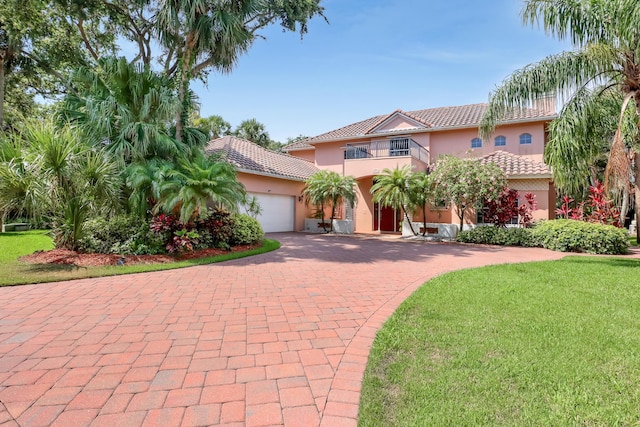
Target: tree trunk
185	78
406	215
424	220
2	54
461	215
637	193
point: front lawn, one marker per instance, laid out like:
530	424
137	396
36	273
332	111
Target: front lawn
546	343
15	245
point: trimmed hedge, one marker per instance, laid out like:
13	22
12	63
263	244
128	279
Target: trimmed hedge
246	230
491	235
566	235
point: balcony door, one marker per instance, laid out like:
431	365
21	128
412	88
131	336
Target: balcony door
386	220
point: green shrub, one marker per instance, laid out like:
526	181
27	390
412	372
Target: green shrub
491	235
567	235
216	229
246	230
120	234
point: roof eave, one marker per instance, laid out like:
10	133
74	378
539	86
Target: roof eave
432	129
271	175
531	176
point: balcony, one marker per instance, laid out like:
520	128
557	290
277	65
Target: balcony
397	147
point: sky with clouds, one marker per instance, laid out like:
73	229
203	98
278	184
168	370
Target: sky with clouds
373	57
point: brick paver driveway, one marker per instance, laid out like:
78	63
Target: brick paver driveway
280	338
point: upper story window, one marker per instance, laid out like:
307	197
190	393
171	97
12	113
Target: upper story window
525	138
500	141
476	143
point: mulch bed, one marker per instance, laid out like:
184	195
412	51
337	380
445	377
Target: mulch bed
67	257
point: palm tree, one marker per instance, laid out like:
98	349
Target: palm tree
254	131
127	108
55	174
605	64
423	195
143	180
214	126
340	190
396	188
204	35
316	193
197	181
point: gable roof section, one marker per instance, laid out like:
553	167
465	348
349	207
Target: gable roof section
252	158
515	166
441	118
417	122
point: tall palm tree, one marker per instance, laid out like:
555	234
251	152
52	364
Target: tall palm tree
195	182
423	195
254	131
205	34
605	62
396	188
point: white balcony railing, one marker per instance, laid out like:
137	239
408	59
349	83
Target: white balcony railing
396	147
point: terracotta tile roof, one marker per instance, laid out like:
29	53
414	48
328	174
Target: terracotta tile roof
514	165
250	157
434	118
298	145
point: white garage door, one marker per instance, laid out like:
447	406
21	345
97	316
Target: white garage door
277	212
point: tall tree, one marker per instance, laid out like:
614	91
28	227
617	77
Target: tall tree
254	131
396	188
214	126
605	35
203	35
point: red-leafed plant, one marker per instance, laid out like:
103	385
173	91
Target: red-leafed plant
597	208
502	210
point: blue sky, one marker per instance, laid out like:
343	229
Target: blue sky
374	57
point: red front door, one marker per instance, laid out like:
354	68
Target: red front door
386	219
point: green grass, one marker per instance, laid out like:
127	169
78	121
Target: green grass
14	272
633	241
546	343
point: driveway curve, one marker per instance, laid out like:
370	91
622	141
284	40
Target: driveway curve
279	338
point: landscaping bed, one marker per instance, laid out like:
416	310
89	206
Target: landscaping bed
68	257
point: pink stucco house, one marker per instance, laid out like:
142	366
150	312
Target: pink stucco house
415	138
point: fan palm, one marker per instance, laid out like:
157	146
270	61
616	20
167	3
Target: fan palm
396	188
605	63
126	107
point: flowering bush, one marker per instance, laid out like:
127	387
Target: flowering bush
464	182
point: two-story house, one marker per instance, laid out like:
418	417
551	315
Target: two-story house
417	138
365	148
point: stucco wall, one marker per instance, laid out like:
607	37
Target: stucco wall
458	142
308	155
270	185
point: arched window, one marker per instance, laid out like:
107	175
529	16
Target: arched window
525	138
476	143
500	141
